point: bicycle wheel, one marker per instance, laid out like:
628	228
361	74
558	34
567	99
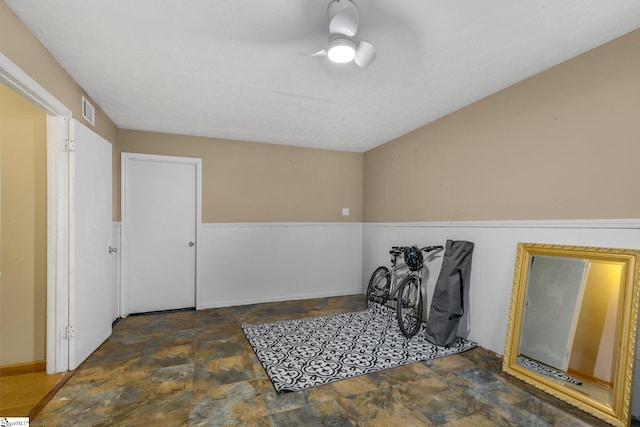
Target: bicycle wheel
379	284
409	307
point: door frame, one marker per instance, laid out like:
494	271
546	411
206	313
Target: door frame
125	164
58	226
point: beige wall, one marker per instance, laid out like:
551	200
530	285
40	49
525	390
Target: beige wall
23	49
250	182
563	144
23	230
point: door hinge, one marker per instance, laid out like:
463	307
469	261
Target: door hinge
69	332
69	145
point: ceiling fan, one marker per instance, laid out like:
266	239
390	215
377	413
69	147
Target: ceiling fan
343	46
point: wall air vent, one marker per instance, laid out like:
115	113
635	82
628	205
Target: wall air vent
88	111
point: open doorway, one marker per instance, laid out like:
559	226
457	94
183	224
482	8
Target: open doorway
23	232
57	226
24	383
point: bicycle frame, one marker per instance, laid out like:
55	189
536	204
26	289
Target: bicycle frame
396	279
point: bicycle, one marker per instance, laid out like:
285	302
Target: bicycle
407	294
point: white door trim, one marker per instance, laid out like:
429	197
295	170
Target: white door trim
126	159
58	116
20	82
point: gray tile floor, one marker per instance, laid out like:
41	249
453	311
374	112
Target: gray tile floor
197	369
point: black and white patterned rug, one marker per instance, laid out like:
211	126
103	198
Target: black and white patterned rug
298	354
547	370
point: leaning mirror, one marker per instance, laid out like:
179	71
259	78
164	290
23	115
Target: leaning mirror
572	325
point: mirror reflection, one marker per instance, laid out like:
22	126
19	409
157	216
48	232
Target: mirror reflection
570	322
572	325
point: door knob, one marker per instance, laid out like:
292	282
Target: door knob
112	250
192	243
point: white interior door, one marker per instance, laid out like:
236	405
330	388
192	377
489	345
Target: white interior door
90	263
160	217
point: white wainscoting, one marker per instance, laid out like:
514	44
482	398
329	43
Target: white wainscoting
493	258
247	263
262	262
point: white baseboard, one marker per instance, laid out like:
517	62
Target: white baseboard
249	301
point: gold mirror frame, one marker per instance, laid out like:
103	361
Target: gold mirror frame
618	411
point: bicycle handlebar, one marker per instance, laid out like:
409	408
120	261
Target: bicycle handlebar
397	250
431	248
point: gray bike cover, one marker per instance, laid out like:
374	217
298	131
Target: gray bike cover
447	304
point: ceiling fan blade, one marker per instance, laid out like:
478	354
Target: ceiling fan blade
365	54
321	52
344	18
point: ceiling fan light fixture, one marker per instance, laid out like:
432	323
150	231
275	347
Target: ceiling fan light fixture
341	50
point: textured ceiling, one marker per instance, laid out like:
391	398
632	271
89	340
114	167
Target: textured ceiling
234	69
